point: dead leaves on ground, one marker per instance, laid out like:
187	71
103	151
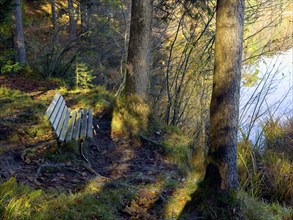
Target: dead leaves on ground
139	207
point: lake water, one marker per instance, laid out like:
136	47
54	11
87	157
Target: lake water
270	97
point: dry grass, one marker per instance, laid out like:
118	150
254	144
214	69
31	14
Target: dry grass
266	171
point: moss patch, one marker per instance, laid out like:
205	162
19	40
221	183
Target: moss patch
130	116
22	117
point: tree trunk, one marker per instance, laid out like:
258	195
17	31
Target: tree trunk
72	25
92	10
54	14
19	36
138	59
221	171
83	15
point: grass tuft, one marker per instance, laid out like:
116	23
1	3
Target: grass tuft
266	171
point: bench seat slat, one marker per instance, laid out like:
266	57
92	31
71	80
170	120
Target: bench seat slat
56	110
65	126
71	126
60	124
59	114
83	124
90	124
77	125
53	104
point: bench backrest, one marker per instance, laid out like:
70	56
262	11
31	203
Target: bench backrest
66	126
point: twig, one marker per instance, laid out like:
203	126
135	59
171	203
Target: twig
48	165
88	167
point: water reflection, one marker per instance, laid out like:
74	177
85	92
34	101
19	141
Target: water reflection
266	92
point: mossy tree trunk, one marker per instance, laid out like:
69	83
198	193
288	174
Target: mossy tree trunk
19	35
138	59
221	171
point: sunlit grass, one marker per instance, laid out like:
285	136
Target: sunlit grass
98	98
22	202
182	194
21	116
254	209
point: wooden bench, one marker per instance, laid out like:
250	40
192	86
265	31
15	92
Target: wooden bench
68	126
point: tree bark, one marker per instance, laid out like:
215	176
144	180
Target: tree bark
83	15
138	59
72	24
54	14
19	36
221	171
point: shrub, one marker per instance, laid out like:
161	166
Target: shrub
11	67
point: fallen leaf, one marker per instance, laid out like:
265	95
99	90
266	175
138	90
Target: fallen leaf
77	201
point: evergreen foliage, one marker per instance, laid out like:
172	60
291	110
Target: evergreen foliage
83	76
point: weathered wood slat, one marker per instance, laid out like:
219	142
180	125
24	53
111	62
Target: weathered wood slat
68	126
59	114
56	110
90	124
61	122
53	104
71	126
84	124
77	125
65	126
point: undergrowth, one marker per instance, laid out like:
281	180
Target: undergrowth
21	202
256	209
176	147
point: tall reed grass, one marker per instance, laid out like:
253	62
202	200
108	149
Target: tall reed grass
266	171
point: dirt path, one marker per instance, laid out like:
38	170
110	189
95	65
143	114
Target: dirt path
109	158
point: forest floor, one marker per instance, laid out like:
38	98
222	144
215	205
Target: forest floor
32	158
148	177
